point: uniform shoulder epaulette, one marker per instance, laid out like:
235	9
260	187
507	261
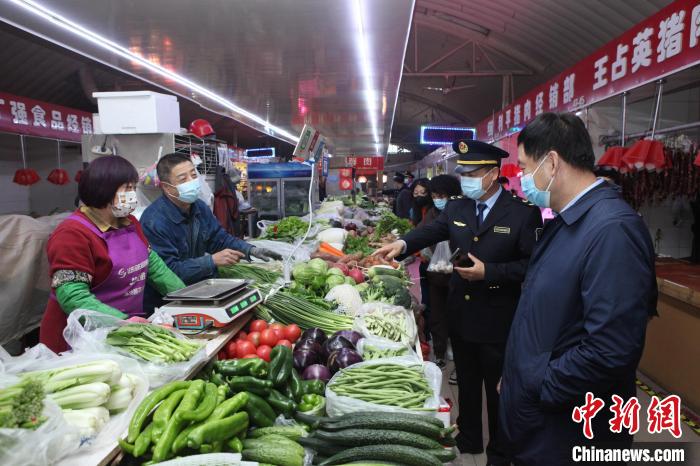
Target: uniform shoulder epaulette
521	200
452	198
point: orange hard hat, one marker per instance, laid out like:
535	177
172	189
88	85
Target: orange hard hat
201	128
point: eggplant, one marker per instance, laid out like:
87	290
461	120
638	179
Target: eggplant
318	372
349	335
314	333
304	358
342	358
335	343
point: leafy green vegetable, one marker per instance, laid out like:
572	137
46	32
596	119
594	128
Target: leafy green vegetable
355	244
319	266
152	343
390	222
21	404
288	229
249	272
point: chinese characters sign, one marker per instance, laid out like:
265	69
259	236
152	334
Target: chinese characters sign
345	182
26	116
365	165
664	43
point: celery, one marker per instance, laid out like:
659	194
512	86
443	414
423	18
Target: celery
89	420
55	380
84	396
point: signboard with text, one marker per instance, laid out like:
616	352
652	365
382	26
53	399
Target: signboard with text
345	183
365	165
664	43
35	118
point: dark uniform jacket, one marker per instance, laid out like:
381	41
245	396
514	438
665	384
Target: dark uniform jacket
483	311
579	327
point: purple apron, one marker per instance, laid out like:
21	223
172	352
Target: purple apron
123	288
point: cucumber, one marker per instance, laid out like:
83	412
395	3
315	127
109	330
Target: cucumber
387	422
272	449
274	440
321	447
397	453
291	432
417	417
384	270
360	437
443	454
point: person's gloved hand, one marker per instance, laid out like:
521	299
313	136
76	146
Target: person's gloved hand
265	254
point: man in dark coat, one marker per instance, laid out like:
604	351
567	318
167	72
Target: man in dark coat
589	290
404	198
495	232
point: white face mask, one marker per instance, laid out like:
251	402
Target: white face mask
125	205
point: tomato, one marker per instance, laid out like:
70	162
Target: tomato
286	343
222	355
292	332
241	335
250	356
254	338
244	347
269	337
278	329
264	352
231	349
258	325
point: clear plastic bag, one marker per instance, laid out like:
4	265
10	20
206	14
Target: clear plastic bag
410	330
383	344
440	261
90	337
302	254
338	405
263	225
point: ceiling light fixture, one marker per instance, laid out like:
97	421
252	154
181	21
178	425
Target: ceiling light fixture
123	52
366	67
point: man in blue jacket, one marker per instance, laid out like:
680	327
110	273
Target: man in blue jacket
185	233
589	290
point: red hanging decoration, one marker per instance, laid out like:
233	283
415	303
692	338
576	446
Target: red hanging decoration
25	176
612	158
510	170
58	176
645	154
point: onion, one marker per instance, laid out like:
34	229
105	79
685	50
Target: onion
304	358
350	335
316	371
357	275
342	358
315	334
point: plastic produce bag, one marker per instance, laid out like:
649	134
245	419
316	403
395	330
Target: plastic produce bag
440	262
338	405
302	253
380	309
90	337
263	225
383	344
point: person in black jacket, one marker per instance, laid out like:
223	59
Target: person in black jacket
404	199
495	233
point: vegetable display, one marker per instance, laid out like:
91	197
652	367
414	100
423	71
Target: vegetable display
152	343
384	384
249	272
288	229
372	352
21	404
390	223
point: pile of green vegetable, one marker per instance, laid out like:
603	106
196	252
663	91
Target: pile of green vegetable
249	272
357	243
372	352
384	384
314	278
388	285
87	393
390	223
152	343
370	437
21	405
289	229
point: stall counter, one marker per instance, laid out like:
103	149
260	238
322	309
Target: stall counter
671	351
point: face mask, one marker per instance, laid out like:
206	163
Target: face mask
473	187
125	205
421	201
440	203
532	192
188	192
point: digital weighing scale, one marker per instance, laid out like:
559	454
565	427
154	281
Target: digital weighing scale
210	303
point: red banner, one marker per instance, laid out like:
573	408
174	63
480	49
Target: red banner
664	43
365	165
27	116
345	182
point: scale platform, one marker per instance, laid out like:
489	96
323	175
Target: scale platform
211	303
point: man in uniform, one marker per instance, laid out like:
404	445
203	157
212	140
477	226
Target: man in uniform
495	232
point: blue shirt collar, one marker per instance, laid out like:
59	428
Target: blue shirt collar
174	213
491	200
573	201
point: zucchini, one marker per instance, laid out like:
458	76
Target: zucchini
321	447
360	437
387	422
444	454
398	453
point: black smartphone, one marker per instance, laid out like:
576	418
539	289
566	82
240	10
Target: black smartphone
463	260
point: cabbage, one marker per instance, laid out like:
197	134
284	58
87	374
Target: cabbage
318	266
335	271
303	273
332	235
334	280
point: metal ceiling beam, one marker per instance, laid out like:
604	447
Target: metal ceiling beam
446	55
437	106
468	74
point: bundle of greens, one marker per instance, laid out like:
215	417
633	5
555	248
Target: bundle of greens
355	244
249	272
21	405
389	223
152	343
288	229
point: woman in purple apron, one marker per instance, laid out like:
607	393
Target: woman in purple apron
99	258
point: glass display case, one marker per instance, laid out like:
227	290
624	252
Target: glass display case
279	190
264	195
296	196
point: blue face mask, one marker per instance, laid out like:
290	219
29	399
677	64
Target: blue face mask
188	192
440	203
473	187
532	192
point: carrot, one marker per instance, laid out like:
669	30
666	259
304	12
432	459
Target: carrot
325	247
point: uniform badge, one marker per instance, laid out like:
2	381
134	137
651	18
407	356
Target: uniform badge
504	230
463	147
459	224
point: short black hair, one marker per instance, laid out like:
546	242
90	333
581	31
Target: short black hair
421	182
102	178
564	133
168	162
399	179
445	185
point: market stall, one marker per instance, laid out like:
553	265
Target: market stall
326	364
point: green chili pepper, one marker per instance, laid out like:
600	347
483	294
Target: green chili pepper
310	402
313	387
235	445
127	447
249	384
148	404
255	367
281	404
144	440
295	385
163	449
206	406
217	430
